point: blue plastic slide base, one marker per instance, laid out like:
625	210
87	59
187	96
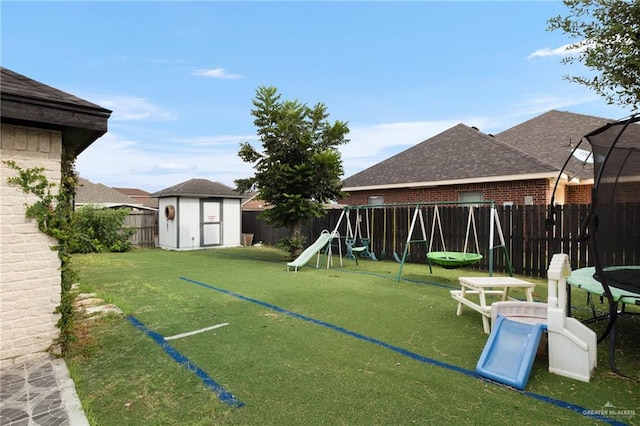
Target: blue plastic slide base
509	353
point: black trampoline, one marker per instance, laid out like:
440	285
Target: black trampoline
611	227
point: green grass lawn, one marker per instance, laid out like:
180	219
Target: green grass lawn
290	370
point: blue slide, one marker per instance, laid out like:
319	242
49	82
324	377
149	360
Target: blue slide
510	351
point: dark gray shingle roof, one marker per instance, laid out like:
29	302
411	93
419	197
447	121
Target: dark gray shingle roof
26	102
461	152
96	193
20	85
551	137
199	188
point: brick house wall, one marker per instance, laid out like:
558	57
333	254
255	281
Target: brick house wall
30	279
579	194
517	192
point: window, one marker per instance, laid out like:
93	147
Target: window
470	197
376	200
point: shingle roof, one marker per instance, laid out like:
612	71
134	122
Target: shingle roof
459	153
139	196
540	145
26	102
88	192
552	136
20	85
199	188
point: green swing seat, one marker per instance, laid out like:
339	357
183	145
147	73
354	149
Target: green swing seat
453	259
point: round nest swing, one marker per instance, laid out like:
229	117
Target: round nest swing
453	259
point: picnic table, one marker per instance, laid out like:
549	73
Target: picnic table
483	286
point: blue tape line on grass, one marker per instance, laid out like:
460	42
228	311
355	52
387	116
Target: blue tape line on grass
562	404
215	387
338	328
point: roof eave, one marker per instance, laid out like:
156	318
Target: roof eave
484	179
193	195
80	125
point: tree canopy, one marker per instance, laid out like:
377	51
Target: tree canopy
299	169
608	33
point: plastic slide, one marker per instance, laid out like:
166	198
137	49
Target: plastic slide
510	351
322	241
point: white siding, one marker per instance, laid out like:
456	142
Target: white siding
189	224
183	232
168	229
232	222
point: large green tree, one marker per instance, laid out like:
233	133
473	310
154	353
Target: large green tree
608	34
299	169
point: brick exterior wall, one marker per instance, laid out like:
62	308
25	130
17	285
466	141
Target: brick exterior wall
29	269
579	194
517	192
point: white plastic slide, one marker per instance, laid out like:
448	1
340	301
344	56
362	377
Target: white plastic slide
322	241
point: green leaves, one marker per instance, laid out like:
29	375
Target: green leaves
98	229
299	168
608	34
53	213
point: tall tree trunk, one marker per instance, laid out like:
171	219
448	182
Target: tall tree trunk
296	239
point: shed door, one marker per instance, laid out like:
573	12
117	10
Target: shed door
211	223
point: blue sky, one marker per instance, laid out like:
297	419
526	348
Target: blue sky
180	76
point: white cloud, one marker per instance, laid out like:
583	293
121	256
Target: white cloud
173	167
126	108
218	140
215	73
371	144
564	50
540	103
115	161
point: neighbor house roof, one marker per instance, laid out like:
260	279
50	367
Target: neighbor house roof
537	148
459	155
253	203
139	196
198	188
26	102
552	136
88	192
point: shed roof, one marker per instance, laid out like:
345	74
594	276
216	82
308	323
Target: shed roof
460	154
27	102
198	188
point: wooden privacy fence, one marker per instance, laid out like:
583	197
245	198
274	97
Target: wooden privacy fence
529	242
145	222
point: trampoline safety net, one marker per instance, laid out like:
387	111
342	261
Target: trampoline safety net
612	226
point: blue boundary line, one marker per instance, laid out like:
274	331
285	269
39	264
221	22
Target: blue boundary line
223	395
558	403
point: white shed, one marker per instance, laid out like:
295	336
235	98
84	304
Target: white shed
198	214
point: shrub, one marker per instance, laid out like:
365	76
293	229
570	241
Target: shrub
100	229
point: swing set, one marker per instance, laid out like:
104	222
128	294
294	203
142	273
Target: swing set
354	235
359	243
453	259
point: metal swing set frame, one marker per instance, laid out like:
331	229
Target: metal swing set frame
443	258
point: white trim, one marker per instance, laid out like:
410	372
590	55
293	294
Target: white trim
487	179
112	205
